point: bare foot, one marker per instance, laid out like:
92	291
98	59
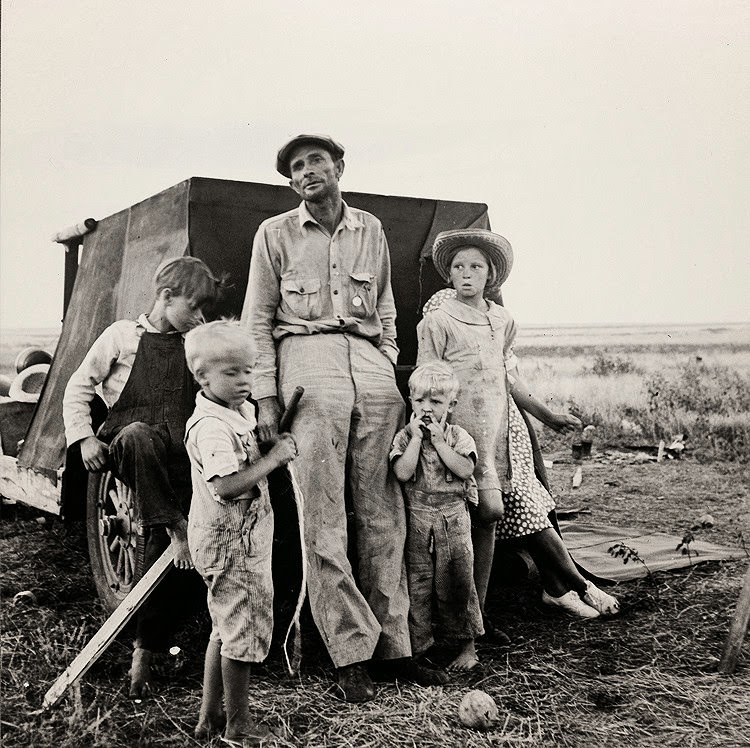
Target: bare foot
466	659
252	735
140	673
210	725
178	540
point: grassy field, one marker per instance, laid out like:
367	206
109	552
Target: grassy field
643	384
645	678
637	384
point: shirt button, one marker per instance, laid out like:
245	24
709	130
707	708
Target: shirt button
334	265
335	292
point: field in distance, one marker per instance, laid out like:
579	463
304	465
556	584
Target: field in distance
635	337
636	383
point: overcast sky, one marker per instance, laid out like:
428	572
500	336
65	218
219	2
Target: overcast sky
610	140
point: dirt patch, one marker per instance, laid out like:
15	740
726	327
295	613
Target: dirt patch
645	678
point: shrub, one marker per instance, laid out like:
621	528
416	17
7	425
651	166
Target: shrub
711	405
607	366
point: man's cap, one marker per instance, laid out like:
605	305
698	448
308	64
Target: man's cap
282	158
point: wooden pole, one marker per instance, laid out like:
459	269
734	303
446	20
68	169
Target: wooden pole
737	630
111	628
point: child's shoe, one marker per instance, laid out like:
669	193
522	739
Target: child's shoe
572	604
604	603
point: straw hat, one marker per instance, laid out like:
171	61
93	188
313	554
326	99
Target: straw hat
27	385
497	249
324	141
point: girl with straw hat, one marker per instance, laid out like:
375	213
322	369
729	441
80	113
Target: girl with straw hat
475	335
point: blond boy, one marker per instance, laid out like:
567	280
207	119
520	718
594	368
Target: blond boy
435	461
230	528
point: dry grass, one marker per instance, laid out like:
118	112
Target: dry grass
643	679
637	386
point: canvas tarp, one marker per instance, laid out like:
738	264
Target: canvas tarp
216	220
589	544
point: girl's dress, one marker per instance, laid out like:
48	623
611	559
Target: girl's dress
479	346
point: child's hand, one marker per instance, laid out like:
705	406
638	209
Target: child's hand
94	454
284	450
436	432
414	428
564	422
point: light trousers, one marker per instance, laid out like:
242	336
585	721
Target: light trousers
344	426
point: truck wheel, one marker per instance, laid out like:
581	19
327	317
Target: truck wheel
116	548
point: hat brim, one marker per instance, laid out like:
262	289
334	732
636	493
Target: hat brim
497	248
282	158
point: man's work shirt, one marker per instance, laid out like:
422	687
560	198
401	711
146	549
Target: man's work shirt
305	281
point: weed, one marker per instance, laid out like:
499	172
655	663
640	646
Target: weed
685	545
607	366
627	553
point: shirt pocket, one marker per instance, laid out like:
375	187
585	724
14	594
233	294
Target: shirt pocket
363	294
300	297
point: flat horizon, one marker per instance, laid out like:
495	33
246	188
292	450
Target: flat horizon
522	326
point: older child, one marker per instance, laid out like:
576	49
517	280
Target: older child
230	529
435	461
139	368
476	336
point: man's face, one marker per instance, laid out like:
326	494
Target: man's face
315	175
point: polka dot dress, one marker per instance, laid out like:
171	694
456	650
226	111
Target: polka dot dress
526	509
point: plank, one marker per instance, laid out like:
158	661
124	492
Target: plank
109	630
737	630
28	486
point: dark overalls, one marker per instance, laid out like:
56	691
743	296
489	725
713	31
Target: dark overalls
145	429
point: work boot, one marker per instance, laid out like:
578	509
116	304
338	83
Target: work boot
355	684
408	669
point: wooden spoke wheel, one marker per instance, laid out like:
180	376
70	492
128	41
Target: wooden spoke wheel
116	548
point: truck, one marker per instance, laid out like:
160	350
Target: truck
109	264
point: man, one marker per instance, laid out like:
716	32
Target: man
320	308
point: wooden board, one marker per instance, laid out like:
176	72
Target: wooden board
28	486
737	630
112	626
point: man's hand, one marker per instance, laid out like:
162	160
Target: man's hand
563	422
94	454
284	450
269	413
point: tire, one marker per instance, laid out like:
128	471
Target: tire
30	356
116	547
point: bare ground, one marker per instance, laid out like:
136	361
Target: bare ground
644	679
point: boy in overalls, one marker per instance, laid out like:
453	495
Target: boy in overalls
435	461
140	369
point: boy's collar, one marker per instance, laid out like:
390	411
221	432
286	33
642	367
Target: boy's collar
148	327
242	421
